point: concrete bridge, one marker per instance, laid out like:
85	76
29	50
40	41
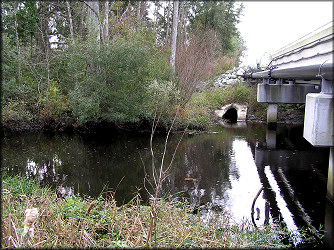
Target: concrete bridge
302	72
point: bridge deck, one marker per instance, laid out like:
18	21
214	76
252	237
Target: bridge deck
315	48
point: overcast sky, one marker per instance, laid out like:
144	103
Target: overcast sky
270	25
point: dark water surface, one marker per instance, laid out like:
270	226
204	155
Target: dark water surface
223	168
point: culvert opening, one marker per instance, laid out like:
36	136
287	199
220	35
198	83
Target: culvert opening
231	115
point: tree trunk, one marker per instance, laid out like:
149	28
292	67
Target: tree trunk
138	13
70	20
167	22
155	14
17	48
42	30
142	10
174	33
181	26
81	25
47	73
106	21
93	19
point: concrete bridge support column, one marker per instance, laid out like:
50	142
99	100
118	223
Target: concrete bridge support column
282	93
330	185
318	120
272	113
319	125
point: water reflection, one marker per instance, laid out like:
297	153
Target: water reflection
329	232
244	188
286	215
270	137
294	179
77	164
224	167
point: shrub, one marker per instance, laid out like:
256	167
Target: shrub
237	93
54	102
164	95
111	80
223	64
16	110
195	61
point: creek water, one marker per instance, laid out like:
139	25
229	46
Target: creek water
222	169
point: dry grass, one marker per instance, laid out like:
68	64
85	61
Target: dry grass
81	223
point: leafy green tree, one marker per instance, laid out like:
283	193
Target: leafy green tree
118	77
222	17
27	17
110	82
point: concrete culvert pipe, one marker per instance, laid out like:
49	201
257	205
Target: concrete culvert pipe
232	112
231	115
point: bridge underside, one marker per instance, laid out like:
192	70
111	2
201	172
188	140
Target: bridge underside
319	114
319	104
285	93
319	108
308	61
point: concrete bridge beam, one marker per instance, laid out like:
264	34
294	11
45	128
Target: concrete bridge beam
285	93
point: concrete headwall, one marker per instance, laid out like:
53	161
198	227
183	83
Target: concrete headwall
240	108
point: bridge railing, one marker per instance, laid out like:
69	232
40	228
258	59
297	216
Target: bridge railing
307	59
307	73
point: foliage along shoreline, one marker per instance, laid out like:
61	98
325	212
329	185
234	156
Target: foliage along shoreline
71	124
68	64
84	222
122	77
199	115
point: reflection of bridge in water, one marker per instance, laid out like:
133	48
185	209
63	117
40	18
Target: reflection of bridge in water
302	72
278	169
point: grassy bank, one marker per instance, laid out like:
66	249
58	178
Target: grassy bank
198	112
200	108
78	222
